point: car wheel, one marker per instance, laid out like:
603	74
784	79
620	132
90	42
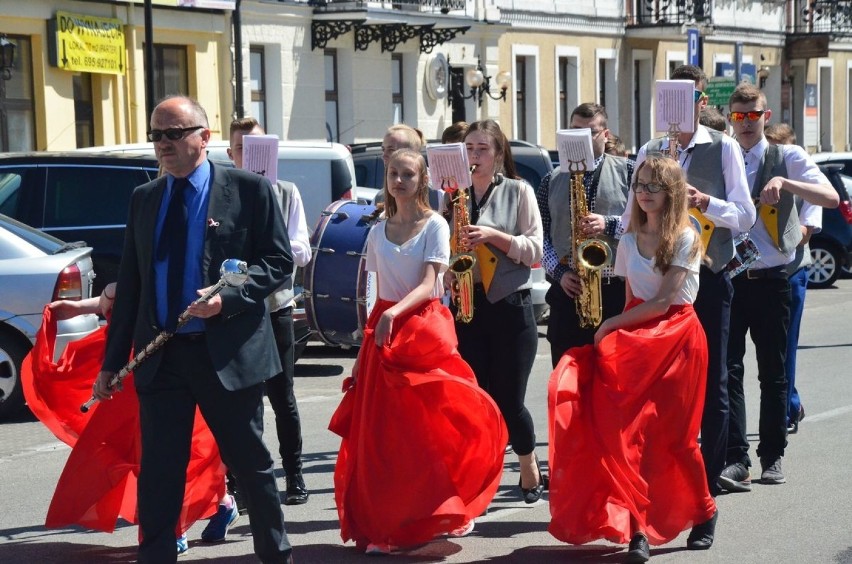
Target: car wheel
12	353
846	270
825	268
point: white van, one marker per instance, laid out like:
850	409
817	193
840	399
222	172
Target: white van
323	171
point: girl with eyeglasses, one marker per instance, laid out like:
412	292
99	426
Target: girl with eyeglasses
625	413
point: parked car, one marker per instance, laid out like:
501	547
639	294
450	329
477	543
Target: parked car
844	159
75	197
324	172
84	196
831	248
531	161
35	269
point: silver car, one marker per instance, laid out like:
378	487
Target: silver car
35	269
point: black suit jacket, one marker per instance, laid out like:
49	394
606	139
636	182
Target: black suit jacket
251	228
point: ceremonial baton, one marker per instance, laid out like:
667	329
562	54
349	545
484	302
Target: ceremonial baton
233	272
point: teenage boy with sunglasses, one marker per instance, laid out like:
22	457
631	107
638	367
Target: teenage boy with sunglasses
761	304
723	199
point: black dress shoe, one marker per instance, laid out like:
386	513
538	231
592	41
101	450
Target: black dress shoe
297	492
638	550
701	536
532	495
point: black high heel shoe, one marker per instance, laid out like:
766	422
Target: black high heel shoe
532	495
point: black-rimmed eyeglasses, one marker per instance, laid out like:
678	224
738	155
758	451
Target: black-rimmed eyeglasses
650	188
172	133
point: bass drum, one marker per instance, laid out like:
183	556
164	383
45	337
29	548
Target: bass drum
339	292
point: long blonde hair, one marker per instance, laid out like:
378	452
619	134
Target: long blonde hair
422	193
674	218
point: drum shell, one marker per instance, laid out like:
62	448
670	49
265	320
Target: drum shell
339	292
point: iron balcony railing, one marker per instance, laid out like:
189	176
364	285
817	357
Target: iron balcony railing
669	12
833	17
426	6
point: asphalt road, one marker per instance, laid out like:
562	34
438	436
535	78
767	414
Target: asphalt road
809	519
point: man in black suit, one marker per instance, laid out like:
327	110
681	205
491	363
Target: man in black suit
180	228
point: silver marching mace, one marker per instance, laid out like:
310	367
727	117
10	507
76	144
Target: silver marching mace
233	273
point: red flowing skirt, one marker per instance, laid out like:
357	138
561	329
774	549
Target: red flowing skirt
624	419
422	445
98	483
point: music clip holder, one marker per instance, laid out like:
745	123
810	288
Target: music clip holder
577	167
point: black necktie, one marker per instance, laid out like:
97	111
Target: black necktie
172	247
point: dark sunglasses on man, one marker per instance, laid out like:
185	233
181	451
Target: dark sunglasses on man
736	117
172	133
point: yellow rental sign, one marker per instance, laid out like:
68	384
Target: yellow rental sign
88	44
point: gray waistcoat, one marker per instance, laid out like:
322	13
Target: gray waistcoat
610	199
705	173
281	297
788	233
501	212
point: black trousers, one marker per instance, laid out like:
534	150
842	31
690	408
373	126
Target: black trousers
761	306
500	345
186	378
713	307
563	325
279	390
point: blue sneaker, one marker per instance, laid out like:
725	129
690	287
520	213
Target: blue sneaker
182	545
219	524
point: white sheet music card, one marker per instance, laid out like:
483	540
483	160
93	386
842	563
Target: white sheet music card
676	105
448	166
575	149
260	155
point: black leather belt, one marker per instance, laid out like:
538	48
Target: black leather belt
190	337
773	273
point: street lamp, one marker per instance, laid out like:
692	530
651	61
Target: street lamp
480	85
7	57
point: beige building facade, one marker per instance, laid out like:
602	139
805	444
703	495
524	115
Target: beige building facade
346	71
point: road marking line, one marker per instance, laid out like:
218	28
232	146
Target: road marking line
829	414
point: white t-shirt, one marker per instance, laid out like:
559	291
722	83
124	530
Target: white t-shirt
644	280
400	267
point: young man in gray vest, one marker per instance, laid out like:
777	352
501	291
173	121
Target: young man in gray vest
606	195
777	174
716	181
279	388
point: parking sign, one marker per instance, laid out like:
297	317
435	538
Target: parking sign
692	54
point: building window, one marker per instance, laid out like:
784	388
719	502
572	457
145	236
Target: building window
84	111
332	125
170	70
567	90
257	72
396	88
17	114
520	100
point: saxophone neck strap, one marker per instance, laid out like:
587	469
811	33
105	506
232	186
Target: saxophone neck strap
475	206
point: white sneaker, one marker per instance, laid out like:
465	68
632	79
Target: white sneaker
378	549
462	531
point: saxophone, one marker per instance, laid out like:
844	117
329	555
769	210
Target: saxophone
590	257
462	260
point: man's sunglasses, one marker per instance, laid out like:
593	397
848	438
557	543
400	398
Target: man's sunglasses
697	95
172	133
737	117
